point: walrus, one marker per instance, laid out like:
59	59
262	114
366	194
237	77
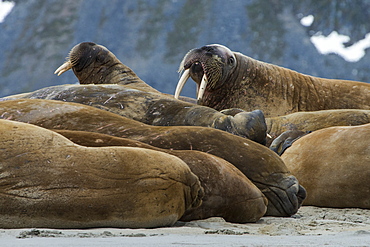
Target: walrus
119	90
315	120
227	192
261	165
154	109
333	165
48	181
298	124
227	79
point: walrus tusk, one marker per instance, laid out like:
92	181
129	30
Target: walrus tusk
63	68
202	87
180	85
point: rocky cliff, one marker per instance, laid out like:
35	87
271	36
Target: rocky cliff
151	37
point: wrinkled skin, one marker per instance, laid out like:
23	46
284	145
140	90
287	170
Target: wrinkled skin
261	165
334	166
227	192
48	181
233	80
129	96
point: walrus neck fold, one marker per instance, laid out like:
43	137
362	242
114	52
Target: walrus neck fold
262	83
279	91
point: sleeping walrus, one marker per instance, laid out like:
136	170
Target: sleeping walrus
227	79
315	120
284	130
121	91
227	192
334	166
261	165
48	181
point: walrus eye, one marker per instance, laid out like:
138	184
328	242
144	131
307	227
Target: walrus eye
231	60
196	68
100	58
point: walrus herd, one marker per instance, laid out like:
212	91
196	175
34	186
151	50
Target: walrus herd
259	164
297	106
115	152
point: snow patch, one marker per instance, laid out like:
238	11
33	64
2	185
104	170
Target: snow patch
334	43
307	20
5	8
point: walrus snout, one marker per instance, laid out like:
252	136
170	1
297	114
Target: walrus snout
95	64
286	198
301	195
207	66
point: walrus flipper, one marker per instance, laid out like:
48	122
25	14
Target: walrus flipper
285	140
249	124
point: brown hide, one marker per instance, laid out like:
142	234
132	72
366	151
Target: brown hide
333	165
227	192
238	81
48	181
311	121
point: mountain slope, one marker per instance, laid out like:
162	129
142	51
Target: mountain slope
151	37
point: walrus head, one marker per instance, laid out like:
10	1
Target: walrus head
95	64
209	66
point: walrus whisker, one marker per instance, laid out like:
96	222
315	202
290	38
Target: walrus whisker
180	85
202	87
63	68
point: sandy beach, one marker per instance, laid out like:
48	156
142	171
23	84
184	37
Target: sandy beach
311	226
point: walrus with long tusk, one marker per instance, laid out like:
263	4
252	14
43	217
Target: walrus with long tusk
121	91
227	79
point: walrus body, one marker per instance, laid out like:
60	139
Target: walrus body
229	79
227	192
261	165
48	181
127	95
155	109
333	164
315	120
